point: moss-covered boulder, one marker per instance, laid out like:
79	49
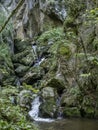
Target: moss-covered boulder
48	106
6	65
25	98
32	75
12	116
71	112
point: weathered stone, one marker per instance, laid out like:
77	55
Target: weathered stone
32	75
48	92
25	98
21	69
48	106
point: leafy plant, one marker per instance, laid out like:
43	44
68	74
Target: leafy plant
53	35
11	115
29	87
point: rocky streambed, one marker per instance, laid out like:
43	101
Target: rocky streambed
49	49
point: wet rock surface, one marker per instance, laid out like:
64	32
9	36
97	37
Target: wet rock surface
55	53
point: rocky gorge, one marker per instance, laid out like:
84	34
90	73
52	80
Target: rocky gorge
49	48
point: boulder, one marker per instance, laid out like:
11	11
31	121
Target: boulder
48	105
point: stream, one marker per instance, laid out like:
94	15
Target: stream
69	124
59	123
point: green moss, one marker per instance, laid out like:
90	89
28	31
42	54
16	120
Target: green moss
48	107
71	112
74	7
64	50
11	115
29	87
21	45
90	111
56	83
95	44
53	34
68	22
9	27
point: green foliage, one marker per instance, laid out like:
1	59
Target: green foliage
74	7
64	51
5	55
29	87
53	35
85	75
92	16
51	1
11	115
4	50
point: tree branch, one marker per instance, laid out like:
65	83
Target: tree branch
12	13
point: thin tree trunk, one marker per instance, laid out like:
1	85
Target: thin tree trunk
12	13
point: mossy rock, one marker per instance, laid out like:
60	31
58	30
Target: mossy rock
9	109
21	45
52	34
6	66
30	87
56	83
5	55
25	57
25	98
10	90
32	75
9	80
48	92
48	108
89	106
95	44
68	100
64	50
69	22
71	112
89	112
21	69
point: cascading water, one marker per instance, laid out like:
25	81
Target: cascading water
35	111
35	108
59	114
38	60
34	47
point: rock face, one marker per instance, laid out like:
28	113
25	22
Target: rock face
34	16
48	106
55	52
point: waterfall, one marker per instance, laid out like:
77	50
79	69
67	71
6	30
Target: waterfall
35	111
59	114
35	108
38	60
34	47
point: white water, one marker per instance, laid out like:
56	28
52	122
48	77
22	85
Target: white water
35	111
34	49
41	60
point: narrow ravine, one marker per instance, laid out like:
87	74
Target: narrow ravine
49	64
